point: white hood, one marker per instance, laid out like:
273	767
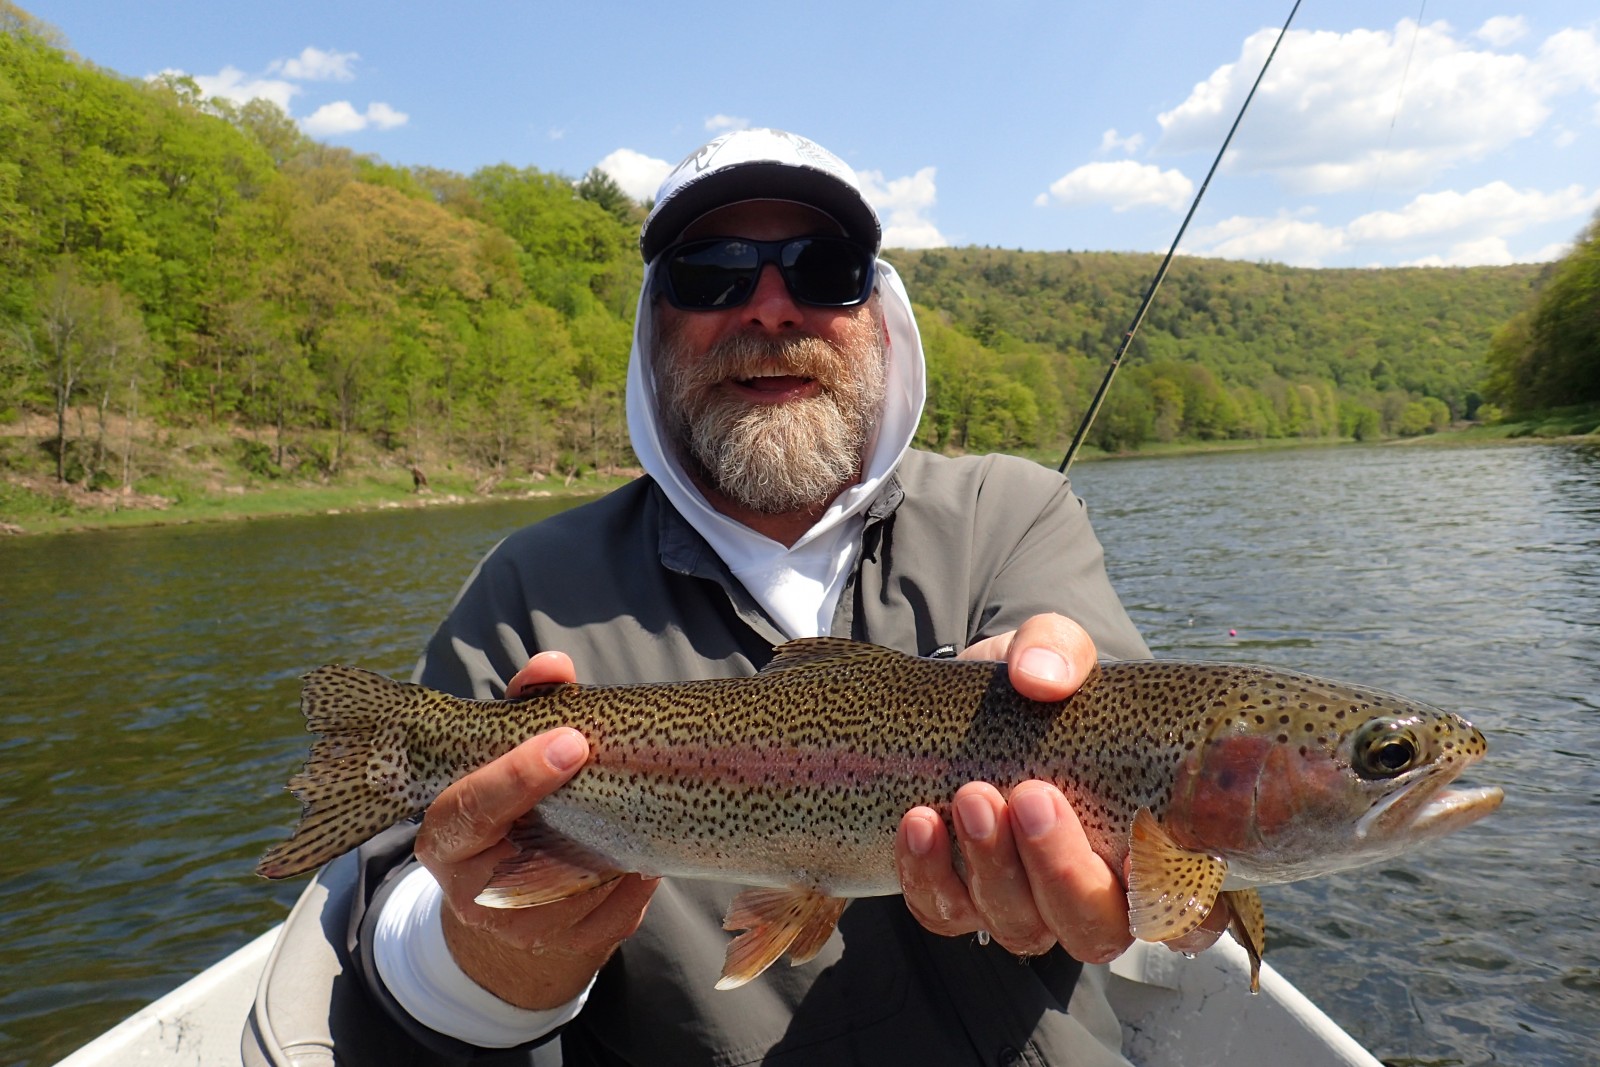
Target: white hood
798	585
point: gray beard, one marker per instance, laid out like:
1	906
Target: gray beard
782	458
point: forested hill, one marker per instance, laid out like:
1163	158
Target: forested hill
1279	351
191	262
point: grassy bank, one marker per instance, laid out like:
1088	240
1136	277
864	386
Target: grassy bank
187	476
202	475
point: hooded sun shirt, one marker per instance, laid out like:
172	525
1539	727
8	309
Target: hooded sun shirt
797	585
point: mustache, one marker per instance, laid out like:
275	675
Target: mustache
750	356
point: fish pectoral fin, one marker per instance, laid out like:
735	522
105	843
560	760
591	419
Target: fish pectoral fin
1171	889
797	920
547	867
1248	927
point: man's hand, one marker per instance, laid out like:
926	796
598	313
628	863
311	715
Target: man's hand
1032	881
537	957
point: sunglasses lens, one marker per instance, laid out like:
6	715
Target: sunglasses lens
713	274
722	272
829	273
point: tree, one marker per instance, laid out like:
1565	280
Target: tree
601	189
85	339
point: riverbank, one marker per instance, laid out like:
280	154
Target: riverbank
178	476
208	476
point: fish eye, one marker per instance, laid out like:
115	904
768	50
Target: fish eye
1384	748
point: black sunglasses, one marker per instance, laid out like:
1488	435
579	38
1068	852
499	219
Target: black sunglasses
721	272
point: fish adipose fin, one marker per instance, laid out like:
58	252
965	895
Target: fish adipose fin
547	867
798	921
1171	890
1248	927
358	779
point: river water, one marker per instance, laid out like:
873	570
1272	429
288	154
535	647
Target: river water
148	689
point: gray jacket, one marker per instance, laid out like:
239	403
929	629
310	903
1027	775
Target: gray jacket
954	550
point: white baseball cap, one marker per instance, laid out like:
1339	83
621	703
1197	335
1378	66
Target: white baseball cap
758	164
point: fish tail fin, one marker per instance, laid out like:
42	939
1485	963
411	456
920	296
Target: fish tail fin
358	779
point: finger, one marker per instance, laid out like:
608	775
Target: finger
1049	657
474	813
996	878
933	890
547	668
1079	897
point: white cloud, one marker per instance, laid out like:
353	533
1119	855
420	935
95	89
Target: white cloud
1482	252
231	83
1493	210
1322	119
1479	226
721	123
1283	239
1549	253
333	119
1122	185
638	174
1129	144
315	65
1570	60
1502	30
311	65
385	117
341	117
903	204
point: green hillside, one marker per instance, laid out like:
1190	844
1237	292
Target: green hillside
170	263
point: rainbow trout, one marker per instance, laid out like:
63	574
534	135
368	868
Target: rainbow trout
1216	778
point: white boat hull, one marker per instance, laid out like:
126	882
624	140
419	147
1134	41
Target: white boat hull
1175	1012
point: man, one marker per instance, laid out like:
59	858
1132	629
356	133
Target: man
776	383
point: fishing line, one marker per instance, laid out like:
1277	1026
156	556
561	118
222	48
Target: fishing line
1161	272
1399	99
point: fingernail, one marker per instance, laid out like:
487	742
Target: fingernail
1035	814
1044	664
566	751
919	836
976	818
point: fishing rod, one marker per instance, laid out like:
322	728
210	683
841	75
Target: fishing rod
1161	272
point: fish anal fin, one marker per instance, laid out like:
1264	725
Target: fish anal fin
547	867
1248	927
809	651
1171	889
798	920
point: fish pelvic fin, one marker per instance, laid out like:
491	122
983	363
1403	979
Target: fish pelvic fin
358	779
798	920
547	867
1248	927
1171	889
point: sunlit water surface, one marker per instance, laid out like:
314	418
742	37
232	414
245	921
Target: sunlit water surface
148	688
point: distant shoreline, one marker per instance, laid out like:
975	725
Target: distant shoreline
48	510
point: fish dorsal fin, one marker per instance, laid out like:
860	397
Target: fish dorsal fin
546	867
1248	927
812	651
1171	889
797	920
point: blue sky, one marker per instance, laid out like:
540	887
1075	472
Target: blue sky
1433	133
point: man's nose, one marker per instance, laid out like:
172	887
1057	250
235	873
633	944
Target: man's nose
771	306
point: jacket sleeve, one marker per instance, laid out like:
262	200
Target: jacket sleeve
1055	563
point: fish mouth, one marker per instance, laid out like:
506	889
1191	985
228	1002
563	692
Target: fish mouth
1444	812
1454	808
